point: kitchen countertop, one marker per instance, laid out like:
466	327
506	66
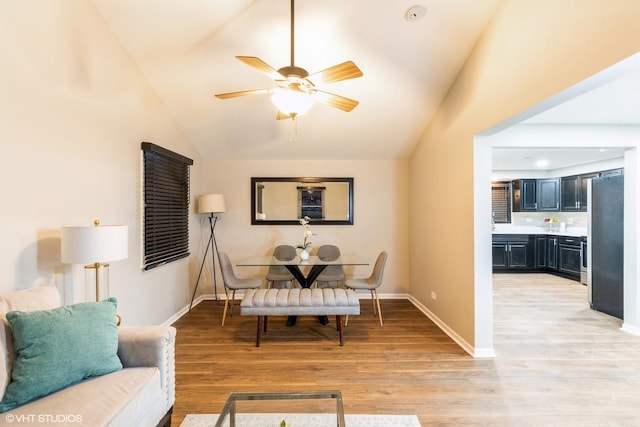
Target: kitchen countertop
519	229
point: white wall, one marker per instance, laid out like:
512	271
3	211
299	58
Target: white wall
73	112
380	214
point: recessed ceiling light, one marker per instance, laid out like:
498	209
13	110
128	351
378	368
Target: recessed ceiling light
542	163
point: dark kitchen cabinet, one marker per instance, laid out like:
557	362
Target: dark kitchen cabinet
541	251
567	194
573	194
524	195
584	182
531	195
569	189
518	255
552	252
499	254
548	194
559	255
510	255
513	252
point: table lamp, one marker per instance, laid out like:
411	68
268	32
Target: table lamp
210	204
95	246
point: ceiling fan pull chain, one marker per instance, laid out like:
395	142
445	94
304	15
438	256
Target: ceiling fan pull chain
294	129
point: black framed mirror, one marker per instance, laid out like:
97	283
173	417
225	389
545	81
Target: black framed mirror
283	201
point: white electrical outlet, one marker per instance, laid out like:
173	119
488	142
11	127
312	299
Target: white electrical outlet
433	295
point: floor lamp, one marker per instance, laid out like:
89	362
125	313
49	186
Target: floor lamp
210	204
95	246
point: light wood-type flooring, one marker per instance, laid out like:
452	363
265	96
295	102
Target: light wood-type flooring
558	362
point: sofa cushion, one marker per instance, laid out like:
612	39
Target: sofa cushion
60	347
125	398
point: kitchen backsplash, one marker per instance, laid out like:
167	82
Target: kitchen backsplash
536	219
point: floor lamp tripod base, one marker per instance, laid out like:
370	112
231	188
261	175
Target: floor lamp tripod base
214	250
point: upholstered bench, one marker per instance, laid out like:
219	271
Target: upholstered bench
299	302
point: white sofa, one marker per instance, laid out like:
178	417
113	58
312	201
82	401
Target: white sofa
142	393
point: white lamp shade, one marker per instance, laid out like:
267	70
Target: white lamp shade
95	244
211	203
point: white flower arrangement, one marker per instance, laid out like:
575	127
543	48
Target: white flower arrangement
307	234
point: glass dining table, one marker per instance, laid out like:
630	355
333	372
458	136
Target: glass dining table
296	265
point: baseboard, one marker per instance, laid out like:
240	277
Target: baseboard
480	353
185	309
633	330
475	352
367	295
173	319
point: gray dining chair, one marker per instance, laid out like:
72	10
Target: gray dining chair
232	283
278	275
333	275
371	283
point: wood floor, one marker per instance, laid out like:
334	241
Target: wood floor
559	363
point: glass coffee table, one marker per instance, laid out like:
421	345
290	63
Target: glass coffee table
295	409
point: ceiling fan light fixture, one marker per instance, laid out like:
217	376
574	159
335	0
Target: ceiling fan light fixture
296	90
292	102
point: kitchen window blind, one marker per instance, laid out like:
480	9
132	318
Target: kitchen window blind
166	206
501	202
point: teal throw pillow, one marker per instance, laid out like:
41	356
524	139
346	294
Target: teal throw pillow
60	347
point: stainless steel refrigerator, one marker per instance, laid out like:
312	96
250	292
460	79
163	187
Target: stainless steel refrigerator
606	244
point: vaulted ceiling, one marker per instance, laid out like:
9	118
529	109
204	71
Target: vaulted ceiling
186	50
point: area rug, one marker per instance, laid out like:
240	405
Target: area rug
306	420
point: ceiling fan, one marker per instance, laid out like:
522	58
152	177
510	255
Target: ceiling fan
295	91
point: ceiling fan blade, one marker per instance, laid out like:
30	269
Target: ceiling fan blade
241	93
345	71
336	101
261	66
282	116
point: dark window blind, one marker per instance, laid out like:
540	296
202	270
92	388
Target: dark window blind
166	205
501	202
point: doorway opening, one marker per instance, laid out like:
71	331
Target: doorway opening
568	135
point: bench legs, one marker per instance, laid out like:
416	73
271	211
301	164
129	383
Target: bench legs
262	326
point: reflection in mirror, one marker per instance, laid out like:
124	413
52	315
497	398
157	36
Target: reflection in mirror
286	200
